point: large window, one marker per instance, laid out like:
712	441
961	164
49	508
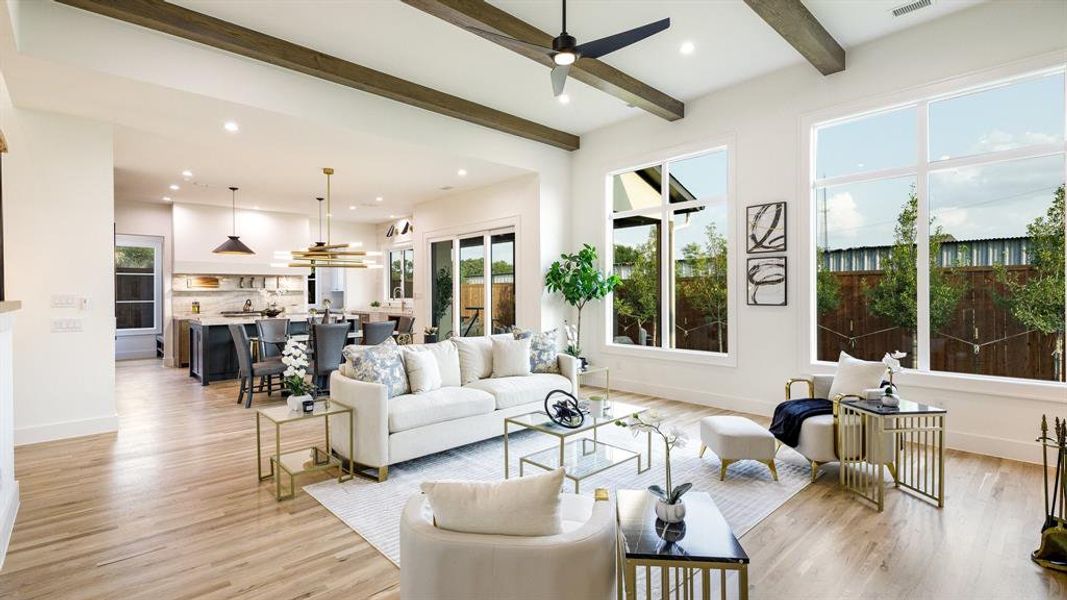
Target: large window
401	273
939	231
670	246
138	263
471	295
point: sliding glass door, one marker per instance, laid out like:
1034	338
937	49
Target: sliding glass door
472	282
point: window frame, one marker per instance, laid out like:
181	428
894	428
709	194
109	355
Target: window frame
402	250
487	293
123	240
921	99
666	211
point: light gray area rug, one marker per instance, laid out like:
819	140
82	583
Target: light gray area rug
747	496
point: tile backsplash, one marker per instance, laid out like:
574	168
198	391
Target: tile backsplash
288	291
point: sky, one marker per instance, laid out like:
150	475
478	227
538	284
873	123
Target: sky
996	200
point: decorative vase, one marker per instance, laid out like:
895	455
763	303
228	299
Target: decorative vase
670	513
891	400
296	403
585	362
596	406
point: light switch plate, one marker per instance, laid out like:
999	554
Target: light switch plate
66	325
64	300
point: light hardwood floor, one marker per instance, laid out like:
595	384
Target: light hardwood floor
169	508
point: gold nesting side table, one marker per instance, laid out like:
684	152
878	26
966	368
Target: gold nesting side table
304	460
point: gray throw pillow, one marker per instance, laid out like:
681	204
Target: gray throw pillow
380	364
544	349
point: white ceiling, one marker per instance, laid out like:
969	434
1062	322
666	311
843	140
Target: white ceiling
277	159
732	44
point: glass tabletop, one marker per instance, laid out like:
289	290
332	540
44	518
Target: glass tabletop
906	407
539	421
581	458
282	414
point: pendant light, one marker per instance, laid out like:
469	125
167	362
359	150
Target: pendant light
324	253
233	245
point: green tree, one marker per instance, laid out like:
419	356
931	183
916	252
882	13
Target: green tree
638	296
706	289
827	287
895	296
578	278
1038	302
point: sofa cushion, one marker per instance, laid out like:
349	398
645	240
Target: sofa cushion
513	391
444	404
544	349
526	506
380	364
423	374
511	357
447	356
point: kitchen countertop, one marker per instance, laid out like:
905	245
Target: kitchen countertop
209	320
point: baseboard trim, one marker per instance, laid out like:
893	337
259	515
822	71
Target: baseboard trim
985	445
723	401
9	507
65	429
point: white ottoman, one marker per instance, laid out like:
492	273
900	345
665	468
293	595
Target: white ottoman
737	438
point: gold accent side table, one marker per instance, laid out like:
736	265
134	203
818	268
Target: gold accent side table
303	460
607	378
908	440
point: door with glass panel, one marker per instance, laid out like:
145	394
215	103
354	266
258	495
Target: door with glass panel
138	292
473	284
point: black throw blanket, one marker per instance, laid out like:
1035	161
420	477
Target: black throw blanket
790	415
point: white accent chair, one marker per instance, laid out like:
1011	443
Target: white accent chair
818	434
578	564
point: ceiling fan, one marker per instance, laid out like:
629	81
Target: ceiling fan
566	50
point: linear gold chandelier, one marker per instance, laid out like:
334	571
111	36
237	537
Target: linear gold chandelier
326	253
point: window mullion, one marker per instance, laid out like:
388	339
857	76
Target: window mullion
922	240
666	301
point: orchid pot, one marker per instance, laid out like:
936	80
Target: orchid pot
296	403
670	513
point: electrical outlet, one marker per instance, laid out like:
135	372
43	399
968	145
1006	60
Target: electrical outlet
64	301
66	325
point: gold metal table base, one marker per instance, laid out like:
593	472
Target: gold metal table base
319	459
910	447
693	581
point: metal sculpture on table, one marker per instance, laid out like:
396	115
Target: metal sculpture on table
1052	553
565	412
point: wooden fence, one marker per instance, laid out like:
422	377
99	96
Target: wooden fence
981	338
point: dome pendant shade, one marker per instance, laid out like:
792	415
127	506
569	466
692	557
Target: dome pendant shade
233	245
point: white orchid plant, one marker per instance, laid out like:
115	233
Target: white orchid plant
572	340
652	422
295	359
891	360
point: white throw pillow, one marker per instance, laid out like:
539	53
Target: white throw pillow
475	358
511	357
447	356
423	374
526	506
855	376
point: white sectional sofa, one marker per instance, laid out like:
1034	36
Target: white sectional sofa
407	426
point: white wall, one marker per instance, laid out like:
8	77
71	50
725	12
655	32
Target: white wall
58	220
147	218
199	229
361	285
763	118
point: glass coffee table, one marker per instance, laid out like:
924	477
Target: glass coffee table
581	457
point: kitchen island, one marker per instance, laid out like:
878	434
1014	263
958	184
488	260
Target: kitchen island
212	355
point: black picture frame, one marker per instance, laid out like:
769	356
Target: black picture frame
765	228
764	272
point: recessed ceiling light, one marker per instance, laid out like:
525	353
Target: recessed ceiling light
255	208
462	172
174	187
378	199
231	126
187	173
687	48
392	216
564	99
351	208
166	198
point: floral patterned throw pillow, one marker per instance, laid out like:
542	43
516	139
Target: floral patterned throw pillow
544	349
380	364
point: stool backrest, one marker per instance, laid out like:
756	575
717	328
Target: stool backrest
377	332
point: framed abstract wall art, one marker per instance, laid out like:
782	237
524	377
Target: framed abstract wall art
765	228
766	281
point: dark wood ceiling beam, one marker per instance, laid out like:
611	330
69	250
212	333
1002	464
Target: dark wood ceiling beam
794	22
592	72
198	27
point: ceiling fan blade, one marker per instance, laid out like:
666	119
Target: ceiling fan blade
511	42
559	78
606	45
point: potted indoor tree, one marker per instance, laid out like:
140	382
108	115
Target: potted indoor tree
578	278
